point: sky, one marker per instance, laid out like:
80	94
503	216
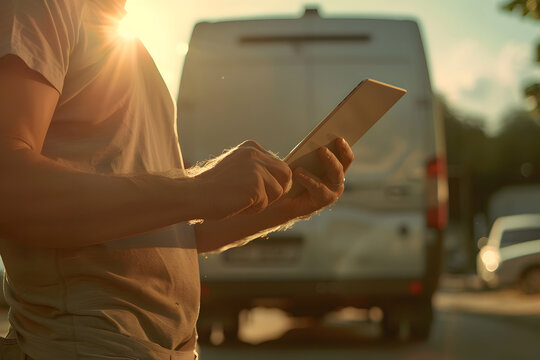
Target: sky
479	56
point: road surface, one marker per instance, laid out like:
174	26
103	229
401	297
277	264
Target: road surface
469	325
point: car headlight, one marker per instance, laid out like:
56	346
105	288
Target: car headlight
491	260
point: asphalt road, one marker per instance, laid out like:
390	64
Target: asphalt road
458	336
469	324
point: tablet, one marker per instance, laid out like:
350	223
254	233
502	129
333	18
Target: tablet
351	119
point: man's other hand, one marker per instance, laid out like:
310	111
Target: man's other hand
321	192
245	179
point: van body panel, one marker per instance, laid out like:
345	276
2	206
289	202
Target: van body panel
334	246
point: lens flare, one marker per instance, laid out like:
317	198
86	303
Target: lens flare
127	28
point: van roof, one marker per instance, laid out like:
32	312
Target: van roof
229	37
309	20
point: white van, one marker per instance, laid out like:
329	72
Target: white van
380	244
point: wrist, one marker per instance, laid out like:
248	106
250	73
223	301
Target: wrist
191	195
179	196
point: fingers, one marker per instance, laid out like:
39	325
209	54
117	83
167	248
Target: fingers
272	187
333	169
252	143
344	153
336	163
268	192
274	175
256	145
277	168
277	179
280	171
316	188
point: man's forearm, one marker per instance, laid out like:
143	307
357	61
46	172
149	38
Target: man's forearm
46	204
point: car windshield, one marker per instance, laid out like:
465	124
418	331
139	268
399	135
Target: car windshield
517	236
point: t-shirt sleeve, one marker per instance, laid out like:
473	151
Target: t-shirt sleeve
42	33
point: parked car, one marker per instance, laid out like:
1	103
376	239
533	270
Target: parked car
273	80
511	253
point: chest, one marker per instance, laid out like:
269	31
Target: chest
115	113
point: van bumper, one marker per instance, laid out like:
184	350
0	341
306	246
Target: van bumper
325	295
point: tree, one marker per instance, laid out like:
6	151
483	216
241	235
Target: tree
479	165
529	8
516	149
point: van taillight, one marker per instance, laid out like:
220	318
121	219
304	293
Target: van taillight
205	291
437	193
416	288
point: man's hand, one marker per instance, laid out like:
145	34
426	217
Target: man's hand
320	192
246	179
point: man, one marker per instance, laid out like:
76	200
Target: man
100	221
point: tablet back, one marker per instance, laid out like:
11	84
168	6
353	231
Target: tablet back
351	119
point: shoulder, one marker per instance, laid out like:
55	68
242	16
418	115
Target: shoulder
43	8
42	33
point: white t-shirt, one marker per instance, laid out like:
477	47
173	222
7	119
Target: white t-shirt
137	298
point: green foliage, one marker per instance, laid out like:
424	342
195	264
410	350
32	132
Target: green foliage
465	142
533	91
528	7
517	148
487	164
479	165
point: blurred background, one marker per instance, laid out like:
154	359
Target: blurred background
483	60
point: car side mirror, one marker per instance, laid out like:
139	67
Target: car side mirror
482	242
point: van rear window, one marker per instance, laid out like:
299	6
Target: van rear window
265	39
513	237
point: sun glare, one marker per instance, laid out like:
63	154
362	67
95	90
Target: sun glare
128	27
182	48
159	25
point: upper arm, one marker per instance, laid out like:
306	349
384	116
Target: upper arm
37	38
27	103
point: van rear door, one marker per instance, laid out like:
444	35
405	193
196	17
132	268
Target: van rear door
272	81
